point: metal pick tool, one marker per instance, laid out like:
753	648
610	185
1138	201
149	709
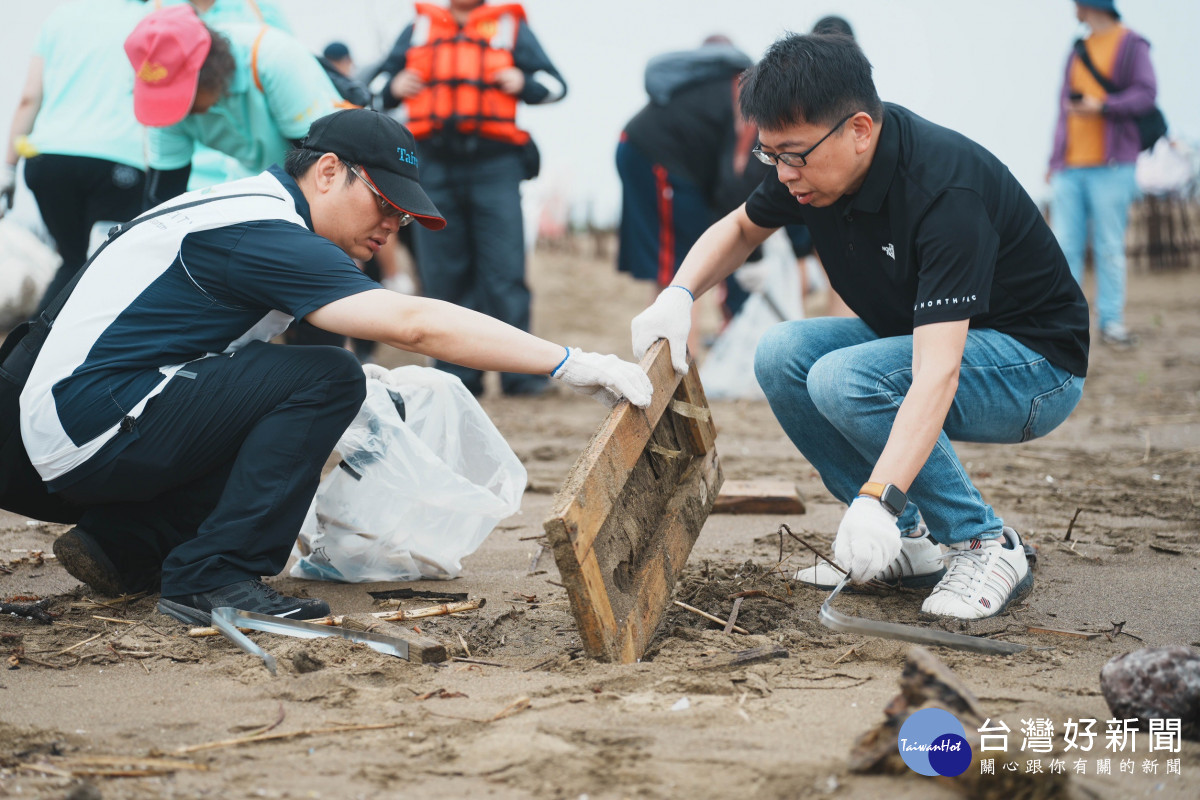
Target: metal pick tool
235	618
909	633
222	620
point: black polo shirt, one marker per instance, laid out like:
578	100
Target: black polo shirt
941	231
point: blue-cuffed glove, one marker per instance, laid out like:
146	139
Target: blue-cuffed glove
670	318
605	378
867	540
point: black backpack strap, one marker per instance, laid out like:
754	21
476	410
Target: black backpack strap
48	316
1086	59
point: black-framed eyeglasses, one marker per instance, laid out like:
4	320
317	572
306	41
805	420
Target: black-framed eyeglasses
796	159
385	206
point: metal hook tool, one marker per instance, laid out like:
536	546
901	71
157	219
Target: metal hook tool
223	620
909	633
228	620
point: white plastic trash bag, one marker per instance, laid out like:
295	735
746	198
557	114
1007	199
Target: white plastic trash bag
27	265
410	497
728	369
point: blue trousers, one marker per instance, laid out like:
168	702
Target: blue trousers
1095	201
478	261
835	387
223	466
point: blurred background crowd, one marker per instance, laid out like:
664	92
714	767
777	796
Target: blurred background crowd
637	137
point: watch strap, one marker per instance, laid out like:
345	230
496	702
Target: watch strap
872	489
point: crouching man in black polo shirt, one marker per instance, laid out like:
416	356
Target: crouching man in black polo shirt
193	446
970	326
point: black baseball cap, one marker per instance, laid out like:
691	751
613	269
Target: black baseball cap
386	150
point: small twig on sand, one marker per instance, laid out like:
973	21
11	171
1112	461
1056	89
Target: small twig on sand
1062	632
515	707
733	615
478	661
271	737
273	725
853	651
1071	524
710	617
783	527
761	593
463	642
114	619
77	645
533	564
1118	628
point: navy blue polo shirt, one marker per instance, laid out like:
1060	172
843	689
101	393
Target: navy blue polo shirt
200	282
941	231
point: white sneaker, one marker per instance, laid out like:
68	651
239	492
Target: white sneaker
983	577
918	566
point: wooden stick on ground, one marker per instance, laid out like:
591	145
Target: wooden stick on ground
710	617
269	737
733	615
78	645
430	611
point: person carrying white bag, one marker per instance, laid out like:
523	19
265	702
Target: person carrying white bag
193	445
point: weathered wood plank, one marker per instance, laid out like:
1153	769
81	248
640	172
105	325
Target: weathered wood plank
584	501
625	521
759	497
660	569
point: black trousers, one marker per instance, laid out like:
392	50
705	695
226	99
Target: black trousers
73	193
223	466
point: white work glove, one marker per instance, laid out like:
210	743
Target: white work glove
605	378
381	374
8	184
867	540
752	275
670	318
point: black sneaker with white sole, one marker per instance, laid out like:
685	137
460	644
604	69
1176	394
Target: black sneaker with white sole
252	595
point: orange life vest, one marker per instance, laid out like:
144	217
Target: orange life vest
459	66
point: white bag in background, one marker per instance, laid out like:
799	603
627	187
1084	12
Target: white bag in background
1166	168
411	498
728	370
27	265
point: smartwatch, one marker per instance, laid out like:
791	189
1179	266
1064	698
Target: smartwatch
890	497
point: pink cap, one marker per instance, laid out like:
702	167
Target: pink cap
166	49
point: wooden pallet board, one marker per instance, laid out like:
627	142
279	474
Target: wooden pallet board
759	497
626	518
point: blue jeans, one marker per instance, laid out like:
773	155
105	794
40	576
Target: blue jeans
1100	196
835	388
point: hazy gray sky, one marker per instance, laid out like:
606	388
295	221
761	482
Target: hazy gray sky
988	69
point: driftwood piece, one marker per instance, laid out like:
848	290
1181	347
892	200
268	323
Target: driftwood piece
759	497
421	649
928	683
631	508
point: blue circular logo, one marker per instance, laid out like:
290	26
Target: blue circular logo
933	742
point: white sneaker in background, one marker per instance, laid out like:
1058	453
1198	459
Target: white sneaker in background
982	577
918	566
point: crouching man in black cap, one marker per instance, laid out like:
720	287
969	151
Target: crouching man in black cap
195	446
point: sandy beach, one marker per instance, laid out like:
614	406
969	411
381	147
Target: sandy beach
114	679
